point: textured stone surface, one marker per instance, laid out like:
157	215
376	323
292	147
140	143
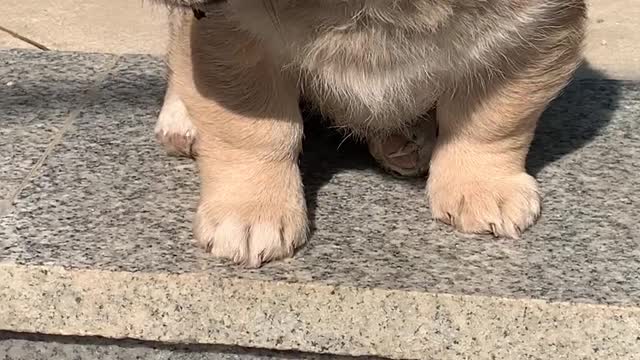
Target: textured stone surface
34	106
202	308
99	241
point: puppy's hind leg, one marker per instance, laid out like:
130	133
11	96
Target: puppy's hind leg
407	153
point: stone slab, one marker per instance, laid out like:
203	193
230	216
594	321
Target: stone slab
99	243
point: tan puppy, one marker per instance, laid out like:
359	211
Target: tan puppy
376	67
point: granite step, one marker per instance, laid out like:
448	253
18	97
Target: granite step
95	236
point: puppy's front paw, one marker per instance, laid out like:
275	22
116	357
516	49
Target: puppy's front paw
253	223
502	205
174	128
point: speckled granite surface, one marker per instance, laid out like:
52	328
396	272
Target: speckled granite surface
33	110
106	218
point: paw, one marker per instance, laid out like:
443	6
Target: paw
252	225
175	130
252	235
500	205
406	154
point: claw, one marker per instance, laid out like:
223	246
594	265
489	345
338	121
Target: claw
494	231
450	219
518	231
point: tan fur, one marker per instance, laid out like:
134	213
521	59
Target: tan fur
375	67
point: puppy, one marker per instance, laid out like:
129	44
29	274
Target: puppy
385	71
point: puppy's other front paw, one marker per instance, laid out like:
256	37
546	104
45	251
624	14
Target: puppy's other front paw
501	205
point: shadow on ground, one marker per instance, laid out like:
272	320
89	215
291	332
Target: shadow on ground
573	120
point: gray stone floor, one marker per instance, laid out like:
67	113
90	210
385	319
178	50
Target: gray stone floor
93	210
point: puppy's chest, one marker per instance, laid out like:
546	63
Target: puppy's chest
365	61
316	35
361	69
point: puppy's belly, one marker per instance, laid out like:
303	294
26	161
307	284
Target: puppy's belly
371	102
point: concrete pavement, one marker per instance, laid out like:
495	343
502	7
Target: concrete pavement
115	26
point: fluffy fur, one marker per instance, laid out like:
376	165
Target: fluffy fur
376	68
